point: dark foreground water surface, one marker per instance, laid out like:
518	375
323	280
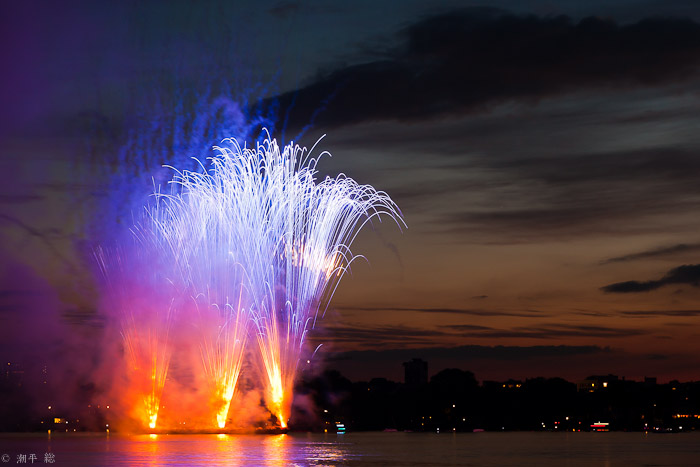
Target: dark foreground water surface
366	449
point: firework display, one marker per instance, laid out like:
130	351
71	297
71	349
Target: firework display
250	252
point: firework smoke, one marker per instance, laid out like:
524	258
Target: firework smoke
138	286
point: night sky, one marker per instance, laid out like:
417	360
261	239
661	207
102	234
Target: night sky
545	156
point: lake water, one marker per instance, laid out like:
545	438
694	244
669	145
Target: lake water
355	449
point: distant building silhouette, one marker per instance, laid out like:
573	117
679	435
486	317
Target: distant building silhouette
597	383
415	372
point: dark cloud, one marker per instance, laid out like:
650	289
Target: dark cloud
458	311
565	195
367	336
564	169
643	163
503	194
524	224
467	327
598	314
547	331
377	335
656	252
631	287
655	313
686	274
460	61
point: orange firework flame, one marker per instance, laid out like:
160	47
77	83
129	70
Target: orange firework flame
222	358
148	356
279	394
280	363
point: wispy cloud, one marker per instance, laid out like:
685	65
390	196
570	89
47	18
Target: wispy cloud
546	331
655	252
657	313
456	311
465	352
399	336
378	335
